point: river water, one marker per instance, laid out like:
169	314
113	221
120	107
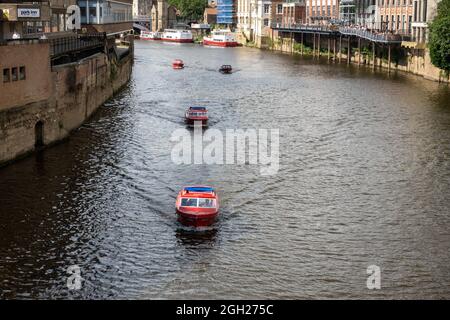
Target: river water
364	179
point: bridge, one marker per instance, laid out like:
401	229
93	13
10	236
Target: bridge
151	15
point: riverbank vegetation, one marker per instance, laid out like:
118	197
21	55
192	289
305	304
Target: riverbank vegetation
439	42
190	10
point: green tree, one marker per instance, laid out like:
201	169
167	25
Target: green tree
439	41
190	9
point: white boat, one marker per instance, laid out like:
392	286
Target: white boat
149	35
221	38
177	35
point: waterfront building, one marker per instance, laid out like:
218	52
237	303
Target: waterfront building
210	15
394	16
112	17
322	11
365	13
226	12
294	12
31	19
424	12
246	15
277	12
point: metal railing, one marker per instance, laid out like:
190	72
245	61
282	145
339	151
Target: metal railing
372	35
79	42
304	27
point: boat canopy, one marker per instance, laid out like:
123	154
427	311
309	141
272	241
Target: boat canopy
199	189
198	108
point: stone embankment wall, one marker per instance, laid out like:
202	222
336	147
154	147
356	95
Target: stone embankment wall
69	95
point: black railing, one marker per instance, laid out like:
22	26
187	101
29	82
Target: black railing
79	42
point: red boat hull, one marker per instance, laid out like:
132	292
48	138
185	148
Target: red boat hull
191	122
197	219
178	40
219	43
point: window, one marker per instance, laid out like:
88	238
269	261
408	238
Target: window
14	74
206	203
22	75
266	8
266	22
280	9
6	75
189	202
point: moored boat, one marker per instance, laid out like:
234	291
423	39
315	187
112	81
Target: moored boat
226	68
177	35
196	115
197	206
177	64
221	38
149	35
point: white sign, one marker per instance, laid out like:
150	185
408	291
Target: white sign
28	13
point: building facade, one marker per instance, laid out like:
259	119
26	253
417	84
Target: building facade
424	12
107	16
226	12
394	16
30	19
322	11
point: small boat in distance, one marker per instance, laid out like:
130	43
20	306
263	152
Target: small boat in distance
197	206
226	68
196	115
149	35
177	35
178	64
220	38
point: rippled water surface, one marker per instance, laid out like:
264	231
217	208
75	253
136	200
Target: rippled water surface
364	179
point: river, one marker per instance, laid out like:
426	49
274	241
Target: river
364	179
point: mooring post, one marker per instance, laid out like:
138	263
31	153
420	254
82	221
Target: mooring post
389	58
359	51
292	43
328	48
318	46
301	49
349	51
340	48
373	55
334	48
314	44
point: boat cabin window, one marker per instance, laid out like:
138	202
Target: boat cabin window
197	114
189	202
206	203
198	202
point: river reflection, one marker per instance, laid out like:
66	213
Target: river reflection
364	179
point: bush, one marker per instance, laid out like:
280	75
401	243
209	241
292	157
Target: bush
439	40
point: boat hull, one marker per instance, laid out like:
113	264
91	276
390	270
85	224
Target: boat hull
197	219
222	44
191	122
150	39
177	40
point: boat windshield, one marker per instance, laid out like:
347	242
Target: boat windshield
198	202
197	114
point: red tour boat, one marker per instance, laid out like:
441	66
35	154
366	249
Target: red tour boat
178	64
197	115
197	206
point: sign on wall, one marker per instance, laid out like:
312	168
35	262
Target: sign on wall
28	13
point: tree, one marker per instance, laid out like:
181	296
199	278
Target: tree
190	9
439	40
